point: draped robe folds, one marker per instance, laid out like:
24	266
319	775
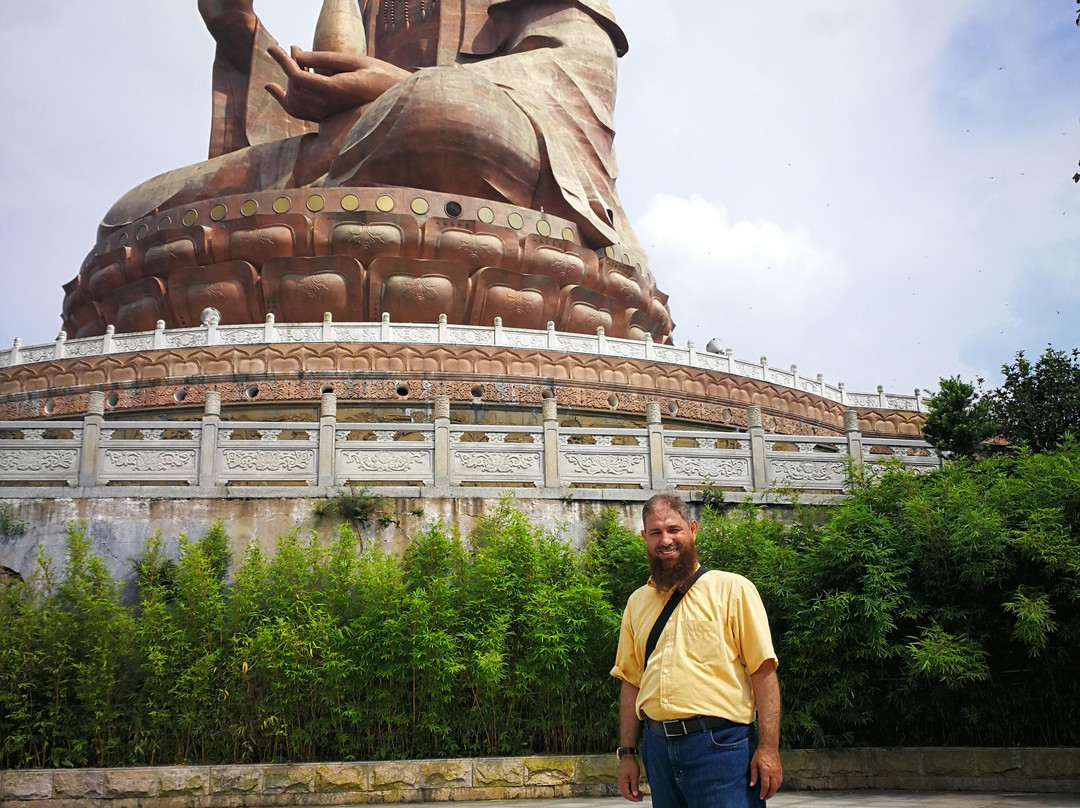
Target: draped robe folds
555	60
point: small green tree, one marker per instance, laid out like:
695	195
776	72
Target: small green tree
959	422
1039	403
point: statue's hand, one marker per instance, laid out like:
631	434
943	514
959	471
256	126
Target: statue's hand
343	81
232	23
221	14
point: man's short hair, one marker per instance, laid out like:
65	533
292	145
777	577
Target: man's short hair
672	501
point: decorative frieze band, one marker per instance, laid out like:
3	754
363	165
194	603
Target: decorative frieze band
459	335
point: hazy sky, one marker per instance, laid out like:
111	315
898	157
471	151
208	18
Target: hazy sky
875	190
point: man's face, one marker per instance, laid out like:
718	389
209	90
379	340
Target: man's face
672	548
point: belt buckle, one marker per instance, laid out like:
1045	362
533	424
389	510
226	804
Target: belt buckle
671	725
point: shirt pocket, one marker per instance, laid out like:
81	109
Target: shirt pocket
705	643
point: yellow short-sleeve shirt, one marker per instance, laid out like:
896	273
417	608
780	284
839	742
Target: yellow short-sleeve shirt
715	639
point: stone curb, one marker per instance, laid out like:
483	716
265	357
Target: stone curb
915	769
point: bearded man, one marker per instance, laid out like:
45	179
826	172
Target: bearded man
696	694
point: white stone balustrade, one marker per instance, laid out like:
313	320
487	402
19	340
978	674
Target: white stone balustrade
604	457
500	455
213	453
272	332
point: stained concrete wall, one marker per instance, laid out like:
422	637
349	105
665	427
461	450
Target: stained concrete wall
120	523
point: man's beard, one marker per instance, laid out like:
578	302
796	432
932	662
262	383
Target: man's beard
669	574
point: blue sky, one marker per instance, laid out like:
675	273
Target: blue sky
876	191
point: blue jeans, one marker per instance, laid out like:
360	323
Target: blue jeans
709	769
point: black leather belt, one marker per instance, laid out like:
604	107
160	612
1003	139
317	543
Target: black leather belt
688	726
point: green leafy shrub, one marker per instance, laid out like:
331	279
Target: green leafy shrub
933	609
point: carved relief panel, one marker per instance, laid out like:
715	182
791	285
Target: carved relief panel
417	290
137	306
301	290
367	235
523	301
229	287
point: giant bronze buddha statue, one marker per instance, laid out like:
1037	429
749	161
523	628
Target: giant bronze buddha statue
426	157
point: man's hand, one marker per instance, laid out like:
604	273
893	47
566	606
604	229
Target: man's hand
341	82
765	764
628	778
629	732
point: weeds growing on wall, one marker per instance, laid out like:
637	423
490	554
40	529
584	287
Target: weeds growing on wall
925	610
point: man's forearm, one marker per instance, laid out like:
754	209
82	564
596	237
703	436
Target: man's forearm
767	697
629	723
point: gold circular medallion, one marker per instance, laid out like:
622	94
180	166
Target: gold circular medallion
385	203
315	203
486	215
190	218
609	252
282	204
543	227
350	202
420	206
217	213
515	221
249	207
568	234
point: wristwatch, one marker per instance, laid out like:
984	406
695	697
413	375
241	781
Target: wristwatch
623	751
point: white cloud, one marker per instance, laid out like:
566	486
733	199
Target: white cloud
701	245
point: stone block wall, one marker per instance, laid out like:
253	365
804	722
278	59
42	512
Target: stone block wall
1015	770
313	784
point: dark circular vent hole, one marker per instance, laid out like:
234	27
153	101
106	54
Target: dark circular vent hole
453	209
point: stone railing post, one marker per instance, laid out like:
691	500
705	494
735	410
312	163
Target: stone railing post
551	444
854	436
327	438
656	446
208	439
91	440
758	451
442	441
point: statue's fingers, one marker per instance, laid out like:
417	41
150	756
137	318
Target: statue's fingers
287	63
279	94
326	61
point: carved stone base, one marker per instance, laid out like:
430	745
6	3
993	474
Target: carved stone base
359	252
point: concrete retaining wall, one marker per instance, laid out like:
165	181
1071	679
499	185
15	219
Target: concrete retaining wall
1022	770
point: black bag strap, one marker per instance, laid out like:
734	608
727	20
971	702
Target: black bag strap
661	621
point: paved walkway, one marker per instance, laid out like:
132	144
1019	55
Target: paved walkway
834	799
